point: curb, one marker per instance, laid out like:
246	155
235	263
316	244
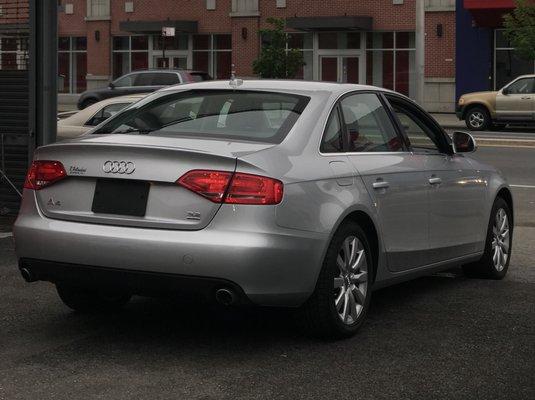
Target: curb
491	142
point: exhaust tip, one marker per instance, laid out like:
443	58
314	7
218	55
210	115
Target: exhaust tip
225	297
27	275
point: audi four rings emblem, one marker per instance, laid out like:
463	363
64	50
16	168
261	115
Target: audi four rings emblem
119	167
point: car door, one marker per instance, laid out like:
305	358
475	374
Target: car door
124	85
395	182
455	190
516	101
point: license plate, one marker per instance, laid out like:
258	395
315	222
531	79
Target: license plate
121	197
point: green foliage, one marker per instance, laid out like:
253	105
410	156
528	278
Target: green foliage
520	28
274	61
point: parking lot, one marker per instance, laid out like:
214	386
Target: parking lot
443	336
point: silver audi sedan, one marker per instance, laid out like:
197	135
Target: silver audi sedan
275	193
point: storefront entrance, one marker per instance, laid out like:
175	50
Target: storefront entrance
342	69
170	62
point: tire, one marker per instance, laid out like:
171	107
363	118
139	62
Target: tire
88	102
477	119
489	266
319	315
86	300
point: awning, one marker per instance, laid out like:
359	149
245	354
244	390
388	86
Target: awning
489	13
346	23
156	26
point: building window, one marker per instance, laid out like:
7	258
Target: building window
507	64
129	53
213	54
98	9
391	61
242	8
304	43
13	53
72	64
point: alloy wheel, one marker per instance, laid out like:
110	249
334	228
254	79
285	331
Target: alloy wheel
501	240
351	285
476	119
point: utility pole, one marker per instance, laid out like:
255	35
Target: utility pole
420	51
43	71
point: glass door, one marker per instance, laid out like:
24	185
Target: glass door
171	62
342	69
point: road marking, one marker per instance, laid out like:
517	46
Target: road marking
4	235
523	186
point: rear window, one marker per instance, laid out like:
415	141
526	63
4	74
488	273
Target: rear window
165	79
225	114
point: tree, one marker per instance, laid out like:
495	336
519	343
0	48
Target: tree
275	62
520	28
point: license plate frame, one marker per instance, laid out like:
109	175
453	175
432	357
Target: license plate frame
121	197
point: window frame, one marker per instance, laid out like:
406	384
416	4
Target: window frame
444	147
521	78
345	139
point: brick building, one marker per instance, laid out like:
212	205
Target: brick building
366	41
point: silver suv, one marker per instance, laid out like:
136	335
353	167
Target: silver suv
275	193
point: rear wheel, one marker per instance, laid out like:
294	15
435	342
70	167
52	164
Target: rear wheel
83	299
477	119
338	307
495	261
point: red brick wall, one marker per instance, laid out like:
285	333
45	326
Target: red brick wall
386	16
14	12
440	51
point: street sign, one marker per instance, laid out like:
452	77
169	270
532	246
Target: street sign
168	31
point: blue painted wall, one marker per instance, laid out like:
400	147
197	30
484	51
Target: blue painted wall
473	55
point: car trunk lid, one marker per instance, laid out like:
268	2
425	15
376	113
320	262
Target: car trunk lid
130	180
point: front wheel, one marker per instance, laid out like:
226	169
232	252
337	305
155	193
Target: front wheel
339	304
495	261
477	119
83	299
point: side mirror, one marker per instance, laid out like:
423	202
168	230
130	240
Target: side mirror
111	85
463	142
505	91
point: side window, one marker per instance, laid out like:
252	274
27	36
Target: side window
521	86
368	125
422	135
165	79
332	141
105	113
144	79
125	81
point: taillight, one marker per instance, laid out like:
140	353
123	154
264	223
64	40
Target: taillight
238	188
44	173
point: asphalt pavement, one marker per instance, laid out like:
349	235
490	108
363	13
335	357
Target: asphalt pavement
438	337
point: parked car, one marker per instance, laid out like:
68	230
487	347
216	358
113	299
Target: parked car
274	193
80	122
514	104
141	82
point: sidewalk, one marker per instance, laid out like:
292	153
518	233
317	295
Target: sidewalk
449	121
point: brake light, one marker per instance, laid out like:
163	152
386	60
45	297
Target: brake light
238	188
44	173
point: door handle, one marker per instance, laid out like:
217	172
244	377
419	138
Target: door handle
435	181
380	185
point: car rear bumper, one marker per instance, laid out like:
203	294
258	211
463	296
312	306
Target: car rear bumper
276	266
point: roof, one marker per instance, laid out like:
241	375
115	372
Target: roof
290	86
